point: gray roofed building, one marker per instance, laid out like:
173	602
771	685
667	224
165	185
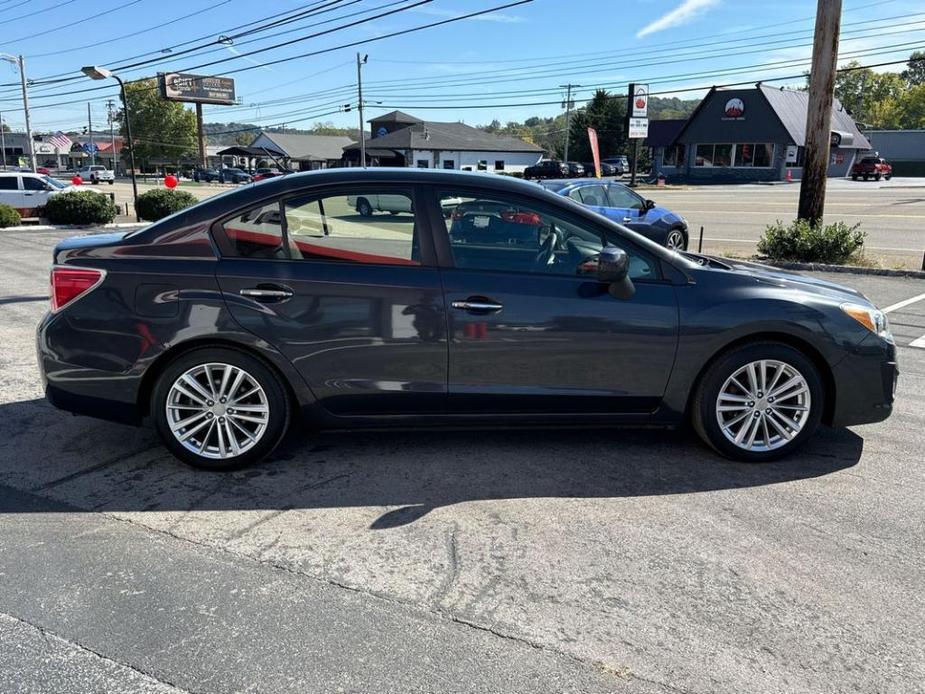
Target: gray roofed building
305	151
399	139
790	106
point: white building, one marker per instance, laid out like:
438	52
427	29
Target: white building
399	139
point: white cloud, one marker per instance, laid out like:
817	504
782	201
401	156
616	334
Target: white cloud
686	12
490	17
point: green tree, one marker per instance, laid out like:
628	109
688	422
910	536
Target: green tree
914	74
244	139
912	108
606	114
161	129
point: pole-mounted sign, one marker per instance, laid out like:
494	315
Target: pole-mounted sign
639	101
637	121
200	89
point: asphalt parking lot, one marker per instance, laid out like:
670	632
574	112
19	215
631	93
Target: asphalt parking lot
581	561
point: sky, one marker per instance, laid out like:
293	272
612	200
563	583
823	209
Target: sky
508	64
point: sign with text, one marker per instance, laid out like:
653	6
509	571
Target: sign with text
180	86
638	128
638	106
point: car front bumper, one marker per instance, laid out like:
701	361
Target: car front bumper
865	383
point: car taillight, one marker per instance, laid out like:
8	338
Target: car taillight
69	283
531	218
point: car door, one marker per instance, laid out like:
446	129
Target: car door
354	302
10	194
35	192
530	328
594	196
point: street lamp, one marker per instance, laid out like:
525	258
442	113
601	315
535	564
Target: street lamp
18	60
96	72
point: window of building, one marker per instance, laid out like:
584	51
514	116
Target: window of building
369	226
503	234
764	154
482	165
499	164
722	155
449	164
674	155
745	155
704	155
423	164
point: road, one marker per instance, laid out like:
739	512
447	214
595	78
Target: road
734	217
581	561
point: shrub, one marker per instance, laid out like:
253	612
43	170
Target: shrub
80	207
162	202
811	242
9	217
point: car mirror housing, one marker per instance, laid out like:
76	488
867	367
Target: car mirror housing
613	270
650	204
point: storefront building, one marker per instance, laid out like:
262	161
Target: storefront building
748	135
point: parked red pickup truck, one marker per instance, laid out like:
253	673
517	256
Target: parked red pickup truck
872	167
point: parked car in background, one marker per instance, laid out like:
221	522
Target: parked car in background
44	170
96	174
606	169
263	173
376	322
28	192
547	168
232	175
205	175
575	169
624	206
872	167
620	163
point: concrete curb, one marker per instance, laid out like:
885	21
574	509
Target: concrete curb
77	227
848	269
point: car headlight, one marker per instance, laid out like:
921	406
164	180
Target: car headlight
871	318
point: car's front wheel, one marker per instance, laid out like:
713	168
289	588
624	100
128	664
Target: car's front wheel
676	240
364	208
758	402
219	409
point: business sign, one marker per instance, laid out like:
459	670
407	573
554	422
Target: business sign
638	128
595	151
180	86
638	101
734	109
792	153
90	147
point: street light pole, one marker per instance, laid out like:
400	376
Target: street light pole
2	142
25	102
101	73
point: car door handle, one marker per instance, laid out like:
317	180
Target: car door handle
267	293
627	219
477	305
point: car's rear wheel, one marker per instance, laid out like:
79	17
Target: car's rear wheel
887	177
676	240
364	208
876	176
759	402
219	409
865	177
854	177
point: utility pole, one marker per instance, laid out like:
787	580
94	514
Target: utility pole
200	137
819	110
90	133
25	102
360	62
110	105
2	142
568	113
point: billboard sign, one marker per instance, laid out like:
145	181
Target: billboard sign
639	101
181	86
638	128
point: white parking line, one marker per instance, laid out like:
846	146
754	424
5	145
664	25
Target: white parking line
903	304
920	343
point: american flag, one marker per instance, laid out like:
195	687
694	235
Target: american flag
61	141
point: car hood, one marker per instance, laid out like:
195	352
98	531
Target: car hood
792	280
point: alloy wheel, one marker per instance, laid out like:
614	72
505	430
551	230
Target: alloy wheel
675	240
217	410
763	405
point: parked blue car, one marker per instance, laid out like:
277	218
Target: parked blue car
624	206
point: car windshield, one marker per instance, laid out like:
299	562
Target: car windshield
54	182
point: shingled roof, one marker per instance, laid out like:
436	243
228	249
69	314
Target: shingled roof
791	106
453	137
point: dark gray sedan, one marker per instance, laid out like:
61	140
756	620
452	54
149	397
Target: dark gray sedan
491	301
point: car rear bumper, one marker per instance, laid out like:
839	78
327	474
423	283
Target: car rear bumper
865	383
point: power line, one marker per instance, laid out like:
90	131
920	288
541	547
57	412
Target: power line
71	24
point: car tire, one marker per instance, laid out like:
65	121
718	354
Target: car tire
876	176
865	177
258	430
854	177
364	208
676	239
778	432
887	177
112	183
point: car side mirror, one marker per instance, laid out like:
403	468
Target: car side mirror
650	204
613	270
